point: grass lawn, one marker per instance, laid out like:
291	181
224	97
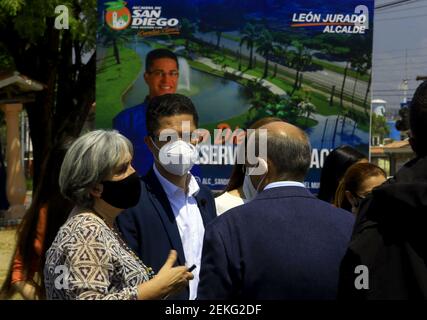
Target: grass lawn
179	42
112	82
339	69
230	37
202	67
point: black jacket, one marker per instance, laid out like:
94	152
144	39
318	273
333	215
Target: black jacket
390	238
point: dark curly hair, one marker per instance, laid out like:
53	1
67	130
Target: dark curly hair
418	120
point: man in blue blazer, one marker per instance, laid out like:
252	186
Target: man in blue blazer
173	208
285	243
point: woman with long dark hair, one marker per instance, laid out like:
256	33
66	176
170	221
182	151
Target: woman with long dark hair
47	212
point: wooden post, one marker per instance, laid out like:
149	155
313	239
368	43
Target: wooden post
15	177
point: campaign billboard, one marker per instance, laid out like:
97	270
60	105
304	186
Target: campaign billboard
307	62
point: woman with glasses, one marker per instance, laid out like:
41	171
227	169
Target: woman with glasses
357	183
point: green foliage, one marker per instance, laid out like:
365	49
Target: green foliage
302	57
29	18
53	57
6	60
112	82
115	5
187	28
11	7
379	126
285	108
250	33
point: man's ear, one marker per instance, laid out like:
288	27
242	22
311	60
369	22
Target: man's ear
146	77
97	190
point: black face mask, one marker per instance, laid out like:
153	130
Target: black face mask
122	194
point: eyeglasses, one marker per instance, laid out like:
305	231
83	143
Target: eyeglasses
161	73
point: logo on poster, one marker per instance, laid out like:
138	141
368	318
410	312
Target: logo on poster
117	16
151	18
355	23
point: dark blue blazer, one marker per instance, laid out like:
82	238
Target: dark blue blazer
150	228
284	244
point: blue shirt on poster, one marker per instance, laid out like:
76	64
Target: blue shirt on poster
131	123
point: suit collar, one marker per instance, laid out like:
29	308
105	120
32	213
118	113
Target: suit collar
284	192
162	205
173	190
202	203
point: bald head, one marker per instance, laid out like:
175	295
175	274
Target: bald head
288	151
284	129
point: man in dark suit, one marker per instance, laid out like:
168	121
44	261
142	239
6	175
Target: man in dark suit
389	238
173	208
285	243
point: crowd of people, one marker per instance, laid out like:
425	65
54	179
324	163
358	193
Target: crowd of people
125	217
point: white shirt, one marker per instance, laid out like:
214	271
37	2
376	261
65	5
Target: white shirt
227	201
189	221
284	184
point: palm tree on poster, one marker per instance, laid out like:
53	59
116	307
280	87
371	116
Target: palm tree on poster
250	35
186	31
281	54
114	38
308	108
345	53
265	47
301	59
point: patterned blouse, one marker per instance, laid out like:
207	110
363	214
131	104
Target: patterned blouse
88	261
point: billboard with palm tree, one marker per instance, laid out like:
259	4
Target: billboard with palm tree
307	62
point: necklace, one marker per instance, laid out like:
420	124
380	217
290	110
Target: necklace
119	238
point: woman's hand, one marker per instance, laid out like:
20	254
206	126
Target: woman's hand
168	281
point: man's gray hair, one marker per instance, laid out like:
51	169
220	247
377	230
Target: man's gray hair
290	156
91	159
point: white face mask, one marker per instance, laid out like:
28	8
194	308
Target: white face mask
177	157
248	187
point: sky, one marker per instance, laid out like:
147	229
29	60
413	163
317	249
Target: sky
400	49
